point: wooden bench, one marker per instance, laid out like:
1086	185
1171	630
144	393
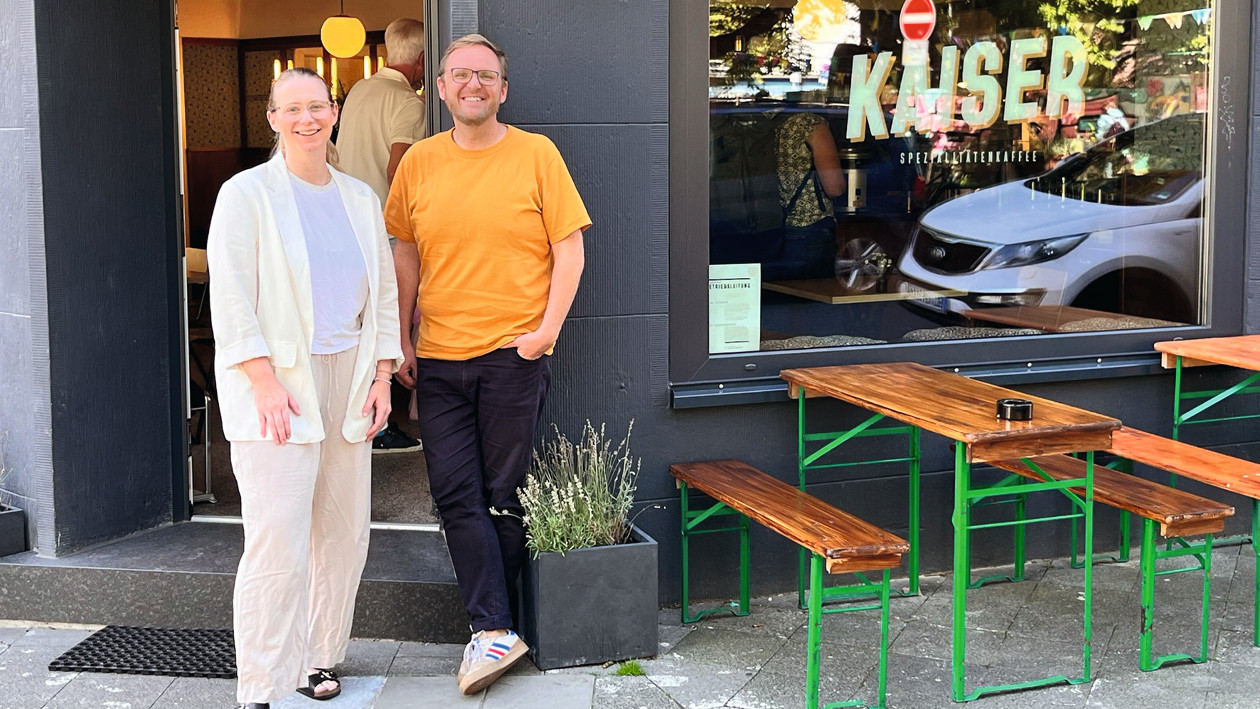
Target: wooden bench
1201	465
837	542
1179	514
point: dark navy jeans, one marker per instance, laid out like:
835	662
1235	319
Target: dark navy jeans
477	420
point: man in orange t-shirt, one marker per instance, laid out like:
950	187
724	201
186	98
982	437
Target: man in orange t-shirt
489	227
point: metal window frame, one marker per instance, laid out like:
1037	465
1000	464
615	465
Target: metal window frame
698	378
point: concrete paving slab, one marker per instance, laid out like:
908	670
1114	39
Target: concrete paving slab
734	649
57	638
1236	647
410	649
25	677
1122	692
630	692
553	691
694	684
91	689
356	693
412	665
424	693
10	635
362	649
198	693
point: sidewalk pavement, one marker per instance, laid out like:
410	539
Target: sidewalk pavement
1016	631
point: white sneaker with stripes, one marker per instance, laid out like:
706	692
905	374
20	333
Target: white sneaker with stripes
486	658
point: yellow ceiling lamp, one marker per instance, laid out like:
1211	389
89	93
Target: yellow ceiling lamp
342	35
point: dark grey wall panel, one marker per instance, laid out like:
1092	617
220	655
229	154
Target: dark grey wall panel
621	172
597	61
113	270
1252	310
610	370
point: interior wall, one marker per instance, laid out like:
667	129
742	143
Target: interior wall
252	19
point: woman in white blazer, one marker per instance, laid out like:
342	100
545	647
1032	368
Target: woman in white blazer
305	313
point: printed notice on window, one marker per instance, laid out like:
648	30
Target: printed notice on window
734	307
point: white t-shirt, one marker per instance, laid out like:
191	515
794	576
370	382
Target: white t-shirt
339	284
380	110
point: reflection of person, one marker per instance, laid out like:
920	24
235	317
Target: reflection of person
809	177
306	336
489	227
382	117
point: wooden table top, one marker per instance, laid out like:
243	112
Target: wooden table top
1242	351
954	406
1054	318
833	292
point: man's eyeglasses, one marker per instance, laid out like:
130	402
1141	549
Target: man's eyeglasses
293	110
485	77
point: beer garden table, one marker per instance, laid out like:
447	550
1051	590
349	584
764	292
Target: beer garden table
1241	352
964	410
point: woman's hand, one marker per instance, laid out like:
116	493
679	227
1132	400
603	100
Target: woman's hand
378	402
274	403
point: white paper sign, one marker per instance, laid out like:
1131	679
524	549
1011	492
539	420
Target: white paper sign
734	307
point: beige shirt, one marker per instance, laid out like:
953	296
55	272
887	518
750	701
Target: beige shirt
380	110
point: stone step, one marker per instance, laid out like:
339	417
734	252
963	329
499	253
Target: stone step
182	576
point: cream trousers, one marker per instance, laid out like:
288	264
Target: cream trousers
306	509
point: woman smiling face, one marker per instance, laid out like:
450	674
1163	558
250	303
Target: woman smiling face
302	114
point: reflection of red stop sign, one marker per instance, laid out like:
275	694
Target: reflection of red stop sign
918	18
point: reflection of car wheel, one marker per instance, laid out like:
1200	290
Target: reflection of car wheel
860	263
1137	292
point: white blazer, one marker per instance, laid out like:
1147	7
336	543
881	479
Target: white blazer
261	303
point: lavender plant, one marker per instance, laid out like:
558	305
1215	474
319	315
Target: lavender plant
579	494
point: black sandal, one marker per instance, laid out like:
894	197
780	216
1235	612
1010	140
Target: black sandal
320	677
254	705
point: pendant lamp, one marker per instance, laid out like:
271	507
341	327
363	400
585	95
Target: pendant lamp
342	35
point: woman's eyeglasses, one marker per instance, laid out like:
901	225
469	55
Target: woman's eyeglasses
293	110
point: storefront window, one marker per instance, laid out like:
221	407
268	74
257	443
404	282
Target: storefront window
941	171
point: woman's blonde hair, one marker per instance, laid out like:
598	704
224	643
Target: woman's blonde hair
331	156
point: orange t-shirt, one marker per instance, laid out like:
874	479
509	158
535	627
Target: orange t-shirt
483	222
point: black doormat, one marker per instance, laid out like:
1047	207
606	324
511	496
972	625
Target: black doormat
174	652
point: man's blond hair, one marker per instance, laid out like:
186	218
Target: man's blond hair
475	40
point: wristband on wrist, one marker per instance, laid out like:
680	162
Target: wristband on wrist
381	379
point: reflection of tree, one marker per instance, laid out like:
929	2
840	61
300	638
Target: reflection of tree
730	16
753	38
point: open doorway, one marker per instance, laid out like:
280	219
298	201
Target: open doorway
230	51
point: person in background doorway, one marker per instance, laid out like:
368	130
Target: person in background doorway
382	117
306	336
489	226
810	178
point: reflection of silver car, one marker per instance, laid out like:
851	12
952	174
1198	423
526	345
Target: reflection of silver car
1116	228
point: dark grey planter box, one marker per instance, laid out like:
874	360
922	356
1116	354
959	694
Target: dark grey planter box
591	606
12	531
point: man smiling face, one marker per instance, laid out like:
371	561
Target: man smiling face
472	103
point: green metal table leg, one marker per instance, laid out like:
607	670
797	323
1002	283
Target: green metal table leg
1255	576
912	531
1088	634
962	567
686	554
813	650
1150	554
690	523
1147	565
